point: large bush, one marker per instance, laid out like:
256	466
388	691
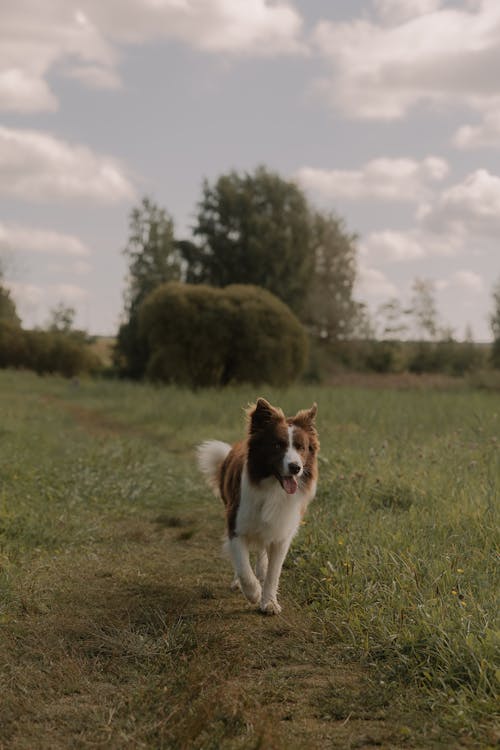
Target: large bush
197	335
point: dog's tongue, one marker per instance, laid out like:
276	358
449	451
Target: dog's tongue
290	485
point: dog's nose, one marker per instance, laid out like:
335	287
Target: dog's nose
293	468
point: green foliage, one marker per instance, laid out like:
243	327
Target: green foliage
331	312
8	312
45	351
253	229
450	357
13	352
151	252
197	335
153	259
384	356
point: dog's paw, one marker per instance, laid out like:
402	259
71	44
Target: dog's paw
235	584
252	590
270	607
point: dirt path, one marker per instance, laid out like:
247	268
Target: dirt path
152	607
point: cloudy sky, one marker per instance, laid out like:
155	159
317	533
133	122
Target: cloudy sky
385	111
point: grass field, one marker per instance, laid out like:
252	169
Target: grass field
117	625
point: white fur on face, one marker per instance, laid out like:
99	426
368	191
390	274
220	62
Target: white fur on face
291	456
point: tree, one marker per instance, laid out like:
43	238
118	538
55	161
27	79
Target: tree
394	325
423	309
153	259
495	326
61	318
8	312
151	252
253	229
331	312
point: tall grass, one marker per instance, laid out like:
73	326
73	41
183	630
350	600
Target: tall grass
400	556
397	559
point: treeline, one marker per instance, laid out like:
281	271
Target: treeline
260	231
263	291
58	349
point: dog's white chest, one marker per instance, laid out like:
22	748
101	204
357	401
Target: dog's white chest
266	513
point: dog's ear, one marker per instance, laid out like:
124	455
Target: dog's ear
262	414
311	414
306	417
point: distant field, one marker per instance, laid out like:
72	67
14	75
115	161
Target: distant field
117	626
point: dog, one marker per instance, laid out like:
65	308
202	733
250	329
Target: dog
266	483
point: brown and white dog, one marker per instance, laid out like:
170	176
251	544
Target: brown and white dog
266	483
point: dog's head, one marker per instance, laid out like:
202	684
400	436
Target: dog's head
285	448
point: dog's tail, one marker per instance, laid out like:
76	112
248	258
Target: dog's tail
211	455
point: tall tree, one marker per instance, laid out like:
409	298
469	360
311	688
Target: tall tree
153	258
424	309
394	319
253	229
495	326
331	312
151	252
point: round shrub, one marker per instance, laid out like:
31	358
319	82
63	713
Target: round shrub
198	335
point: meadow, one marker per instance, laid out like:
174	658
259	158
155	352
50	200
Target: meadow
117	625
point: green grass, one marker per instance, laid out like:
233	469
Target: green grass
117	627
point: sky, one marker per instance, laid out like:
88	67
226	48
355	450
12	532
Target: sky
386	112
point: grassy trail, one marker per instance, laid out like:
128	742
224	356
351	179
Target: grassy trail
117	625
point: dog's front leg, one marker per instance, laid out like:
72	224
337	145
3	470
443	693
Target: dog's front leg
243	570
276	554
261	565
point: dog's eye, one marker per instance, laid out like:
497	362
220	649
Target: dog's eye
279	446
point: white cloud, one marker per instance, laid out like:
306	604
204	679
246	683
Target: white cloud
428	54
463	285
464	218
390	245
94	76
27	239
36	166
26	296
81	41
373	285
398	11
68	293
34	302
382	179
34	38
471	207
22	91
486	134
417	243
256	27
469	281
